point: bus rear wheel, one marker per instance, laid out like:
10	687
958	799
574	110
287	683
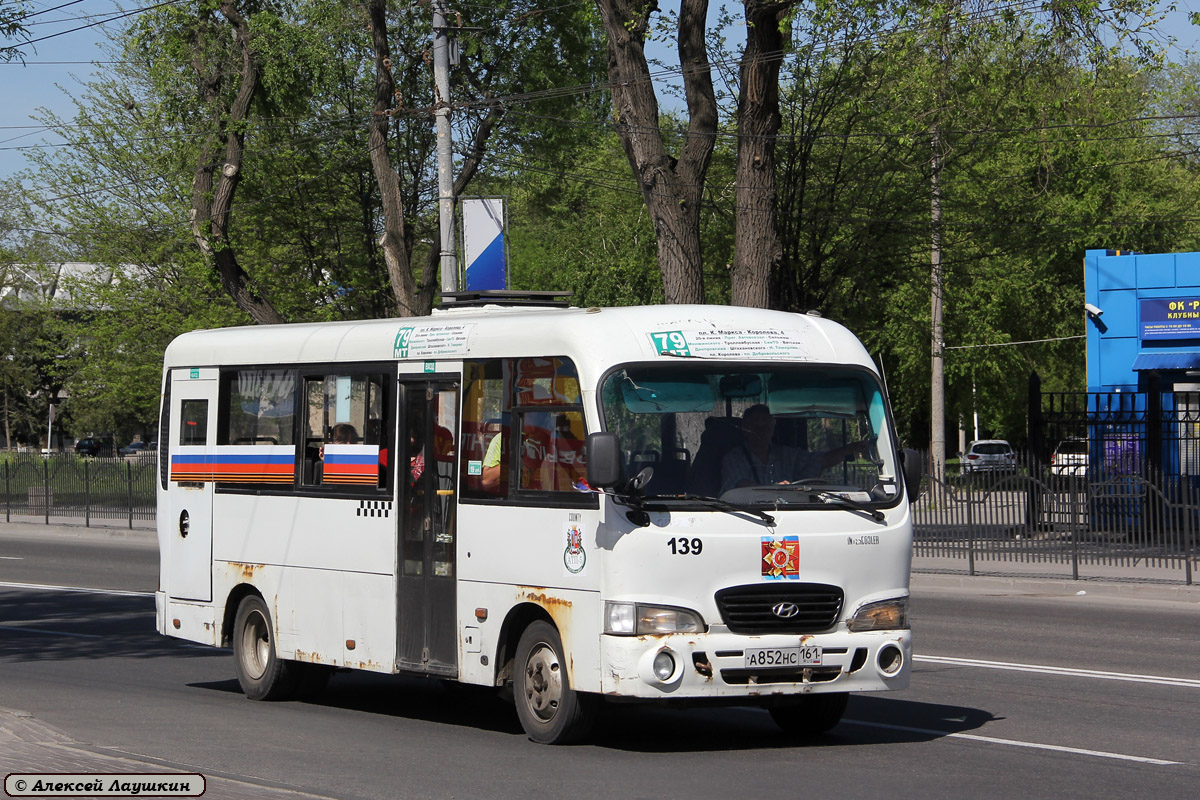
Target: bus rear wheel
262	674
810	715
551	712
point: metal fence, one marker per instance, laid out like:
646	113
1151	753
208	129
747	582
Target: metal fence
1037	517
67	485
1063	519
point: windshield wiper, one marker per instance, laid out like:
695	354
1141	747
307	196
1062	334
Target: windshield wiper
840	500
713	503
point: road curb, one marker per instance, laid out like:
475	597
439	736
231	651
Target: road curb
1024	585
140	532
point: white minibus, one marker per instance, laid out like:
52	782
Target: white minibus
671	504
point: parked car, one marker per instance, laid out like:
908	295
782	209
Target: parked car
94	446
137	449
989	455
1070	457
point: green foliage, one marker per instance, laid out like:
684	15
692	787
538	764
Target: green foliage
11	14
591	236
1045	151
1053	142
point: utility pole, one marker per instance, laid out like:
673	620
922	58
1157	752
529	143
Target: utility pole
445	150
937	405
50	429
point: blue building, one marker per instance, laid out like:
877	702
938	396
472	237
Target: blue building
1143	360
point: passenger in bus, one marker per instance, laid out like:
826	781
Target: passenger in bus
416	450
490	477
342	433
760	461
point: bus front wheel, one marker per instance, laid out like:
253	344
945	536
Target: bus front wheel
811	715
262	674
551	712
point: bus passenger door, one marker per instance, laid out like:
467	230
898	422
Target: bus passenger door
190	448
427	639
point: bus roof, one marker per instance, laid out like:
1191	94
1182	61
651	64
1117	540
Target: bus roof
595	338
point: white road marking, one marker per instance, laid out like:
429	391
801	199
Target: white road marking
84	589
12	558
1047	670
1017	743
23	629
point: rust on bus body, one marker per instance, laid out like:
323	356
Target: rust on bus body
247	570
559	609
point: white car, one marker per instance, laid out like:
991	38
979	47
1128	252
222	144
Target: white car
1070	458
989	455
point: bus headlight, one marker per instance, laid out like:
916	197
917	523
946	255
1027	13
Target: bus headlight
886	615
638	619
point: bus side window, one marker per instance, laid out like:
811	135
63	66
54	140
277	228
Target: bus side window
193	419
486	435
345	432
523	429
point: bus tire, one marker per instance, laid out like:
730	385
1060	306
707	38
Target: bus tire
810	715
551	712
262	674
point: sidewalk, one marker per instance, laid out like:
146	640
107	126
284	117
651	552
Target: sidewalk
1138	581
28	746
74	526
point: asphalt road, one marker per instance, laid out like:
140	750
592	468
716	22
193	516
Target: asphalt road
1061	695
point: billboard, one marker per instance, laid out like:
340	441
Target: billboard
484	243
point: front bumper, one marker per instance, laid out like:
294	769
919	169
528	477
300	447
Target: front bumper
712	665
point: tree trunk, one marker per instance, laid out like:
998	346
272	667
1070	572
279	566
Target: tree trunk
413	297
211	204
395	252
758	251
672	187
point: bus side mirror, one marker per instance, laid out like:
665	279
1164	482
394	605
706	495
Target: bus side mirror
604	460
910	461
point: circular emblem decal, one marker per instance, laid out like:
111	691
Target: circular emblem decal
574	557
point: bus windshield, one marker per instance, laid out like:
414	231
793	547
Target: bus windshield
784	435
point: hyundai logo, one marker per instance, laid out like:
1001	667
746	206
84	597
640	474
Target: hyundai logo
785	610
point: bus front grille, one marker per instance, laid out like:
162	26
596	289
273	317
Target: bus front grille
774	608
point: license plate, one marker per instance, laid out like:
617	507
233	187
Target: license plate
783	657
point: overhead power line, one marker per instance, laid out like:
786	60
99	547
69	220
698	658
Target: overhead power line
1011	344
33	14
105	21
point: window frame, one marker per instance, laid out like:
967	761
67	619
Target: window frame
302	373
513	416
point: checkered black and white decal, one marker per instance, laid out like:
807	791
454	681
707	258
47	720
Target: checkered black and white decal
375	508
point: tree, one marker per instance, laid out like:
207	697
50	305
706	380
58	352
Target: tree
523	43
216	179
671	185
11	16
580	225
758	251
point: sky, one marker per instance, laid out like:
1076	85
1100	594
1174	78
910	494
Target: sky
59	66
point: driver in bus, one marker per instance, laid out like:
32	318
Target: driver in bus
760	461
